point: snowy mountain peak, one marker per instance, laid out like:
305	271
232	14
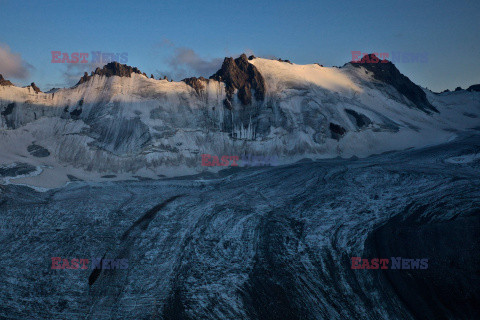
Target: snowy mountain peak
112	69
118	122
35	88
387	72
4	82
239	74
475	87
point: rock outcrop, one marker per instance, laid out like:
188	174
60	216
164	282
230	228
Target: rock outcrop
112	69
5	82
239	74
337	131
385	71
195	83
35	88
475	87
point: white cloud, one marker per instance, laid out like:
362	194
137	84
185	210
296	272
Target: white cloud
12	65
185	62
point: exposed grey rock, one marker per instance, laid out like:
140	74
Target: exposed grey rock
35	88
73	178
360	119
475	87
5	82
242	75
38	151
112	69
287	61
75	114
9	109
195	83
336	130
17	169
386	72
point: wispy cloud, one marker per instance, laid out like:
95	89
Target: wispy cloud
185	62
12	65
189	59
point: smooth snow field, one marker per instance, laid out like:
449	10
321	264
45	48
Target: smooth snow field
253	243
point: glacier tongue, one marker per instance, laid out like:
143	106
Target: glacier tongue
258	243
125	126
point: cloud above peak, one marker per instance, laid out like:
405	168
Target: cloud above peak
12	65
185	62
189	59
182	62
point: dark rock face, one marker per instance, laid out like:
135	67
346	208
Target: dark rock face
35	88
53	90
83	79
360	119
458	89
112	69
337	131
386	72
195	83
73	178
38	151
117	69
17	169
4	82
9	109
450	285
287	61
240	74
75	114
245	94
475	87
9	120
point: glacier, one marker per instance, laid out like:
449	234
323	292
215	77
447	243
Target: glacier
126	126
253	243
367	164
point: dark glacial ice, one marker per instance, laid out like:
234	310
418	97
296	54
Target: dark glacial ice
253	243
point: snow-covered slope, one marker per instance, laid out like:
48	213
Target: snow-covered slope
120	126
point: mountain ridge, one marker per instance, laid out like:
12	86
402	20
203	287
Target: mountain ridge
132	125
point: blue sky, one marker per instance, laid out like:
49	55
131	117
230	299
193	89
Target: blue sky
188	38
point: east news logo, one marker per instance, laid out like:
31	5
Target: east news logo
392	263
82	57
97	263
